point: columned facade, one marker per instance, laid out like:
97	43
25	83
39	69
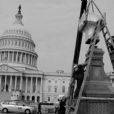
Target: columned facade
18	65
18	61
17	82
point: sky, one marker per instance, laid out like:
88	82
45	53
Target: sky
53	26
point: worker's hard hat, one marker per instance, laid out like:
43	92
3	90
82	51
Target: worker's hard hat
75	66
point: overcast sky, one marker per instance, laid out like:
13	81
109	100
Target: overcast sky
53	26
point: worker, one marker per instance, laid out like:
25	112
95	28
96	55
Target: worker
78	75
62	104
39	108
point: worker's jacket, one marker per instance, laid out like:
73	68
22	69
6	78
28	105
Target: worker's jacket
78	74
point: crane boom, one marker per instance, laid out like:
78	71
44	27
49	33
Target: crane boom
79	35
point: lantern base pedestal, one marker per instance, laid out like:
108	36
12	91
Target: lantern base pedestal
98	92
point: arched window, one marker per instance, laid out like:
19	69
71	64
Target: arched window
48	98
28	98
33	98
23	97
49	88
38	99
63	89
55	89
49	81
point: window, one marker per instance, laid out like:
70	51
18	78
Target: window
55	89
49	81
48	98
49	88
16	43
55	81
63	81
63	89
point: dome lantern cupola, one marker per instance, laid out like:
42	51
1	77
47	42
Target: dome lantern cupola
18	16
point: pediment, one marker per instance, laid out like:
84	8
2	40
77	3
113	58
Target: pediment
6	68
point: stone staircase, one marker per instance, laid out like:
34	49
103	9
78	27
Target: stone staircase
5	96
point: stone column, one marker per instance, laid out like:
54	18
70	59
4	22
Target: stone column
21	58
17	57
41	88
28	58
0	56
0	82
31	87
15	82
10	83
8	56
5	83
21	82
25	58
36	85
36	61
4	56
41	85
13	56
26	84
33	60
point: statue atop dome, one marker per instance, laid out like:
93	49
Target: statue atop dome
19	16
19	11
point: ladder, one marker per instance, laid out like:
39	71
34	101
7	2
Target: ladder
109	41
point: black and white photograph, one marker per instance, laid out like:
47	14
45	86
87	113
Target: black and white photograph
56	56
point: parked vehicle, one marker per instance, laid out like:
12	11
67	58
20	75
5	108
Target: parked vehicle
17	106
47	107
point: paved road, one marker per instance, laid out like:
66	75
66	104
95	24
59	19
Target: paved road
21	113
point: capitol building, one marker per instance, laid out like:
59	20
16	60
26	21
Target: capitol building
18	67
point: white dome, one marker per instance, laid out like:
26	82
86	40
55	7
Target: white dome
17	28
16	46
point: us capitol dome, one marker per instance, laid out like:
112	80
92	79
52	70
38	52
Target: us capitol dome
17	47
18	68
